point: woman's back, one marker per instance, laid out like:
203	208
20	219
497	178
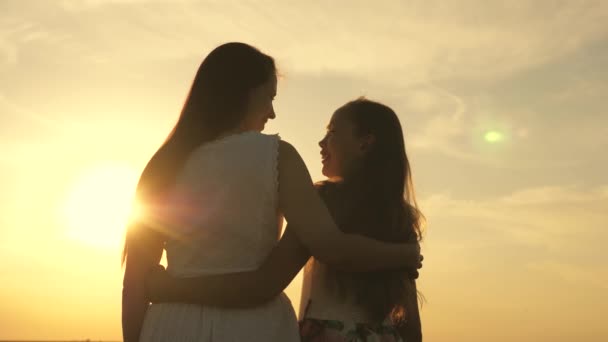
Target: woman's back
222	217
223	207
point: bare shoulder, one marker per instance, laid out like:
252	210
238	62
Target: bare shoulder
289	158
294	179
287	151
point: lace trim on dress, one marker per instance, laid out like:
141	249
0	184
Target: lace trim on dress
275	167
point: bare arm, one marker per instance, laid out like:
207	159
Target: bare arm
243	289
315	228
144	252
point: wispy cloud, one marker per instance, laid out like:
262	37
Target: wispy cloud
529	135
445	120
21	32
8	45
556	195
398	41
548	217
594	276
16	119
79	5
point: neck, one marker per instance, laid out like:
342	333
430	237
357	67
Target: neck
335	179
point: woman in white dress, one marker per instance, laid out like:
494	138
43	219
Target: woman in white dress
213	196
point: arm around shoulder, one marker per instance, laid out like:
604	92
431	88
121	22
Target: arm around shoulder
235	290
306	213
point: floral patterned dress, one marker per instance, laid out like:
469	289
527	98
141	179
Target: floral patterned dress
317	330
326	316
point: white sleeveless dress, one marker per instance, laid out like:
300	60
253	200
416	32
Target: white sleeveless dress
224	218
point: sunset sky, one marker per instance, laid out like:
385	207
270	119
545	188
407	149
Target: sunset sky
501	104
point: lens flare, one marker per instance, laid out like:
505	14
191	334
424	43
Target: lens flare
493	136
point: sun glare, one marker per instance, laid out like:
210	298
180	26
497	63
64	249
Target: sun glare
99	204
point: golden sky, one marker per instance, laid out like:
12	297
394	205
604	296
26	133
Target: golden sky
502	103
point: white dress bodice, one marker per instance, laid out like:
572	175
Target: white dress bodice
222	216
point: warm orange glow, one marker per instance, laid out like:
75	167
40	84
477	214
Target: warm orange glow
99	205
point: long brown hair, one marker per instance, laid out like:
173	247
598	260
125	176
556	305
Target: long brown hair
216	103
376	199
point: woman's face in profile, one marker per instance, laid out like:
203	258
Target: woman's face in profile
260	108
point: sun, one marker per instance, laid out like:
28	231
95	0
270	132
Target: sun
99	204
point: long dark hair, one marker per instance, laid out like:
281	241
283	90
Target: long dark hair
376	199
216	103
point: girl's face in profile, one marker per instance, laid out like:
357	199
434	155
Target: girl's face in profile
341	147
260	108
